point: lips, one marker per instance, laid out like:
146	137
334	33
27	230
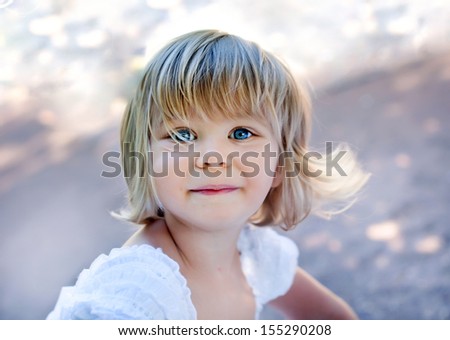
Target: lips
214	189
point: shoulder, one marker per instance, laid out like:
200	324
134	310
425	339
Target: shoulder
136	282
259	238
270	260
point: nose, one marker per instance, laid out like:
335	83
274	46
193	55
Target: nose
212	154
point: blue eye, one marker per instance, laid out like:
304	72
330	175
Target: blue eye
183	135
241	134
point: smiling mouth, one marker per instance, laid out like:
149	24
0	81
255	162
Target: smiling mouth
214	190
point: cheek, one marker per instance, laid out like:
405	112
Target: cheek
268	163
169	175
261	164
164	164
261	175
169	190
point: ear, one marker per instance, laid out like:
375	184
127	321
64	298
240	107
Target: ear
278	178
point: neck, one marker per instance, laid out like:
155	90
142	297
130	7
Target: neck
211	250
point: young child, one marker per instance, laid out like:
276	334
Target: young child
214	149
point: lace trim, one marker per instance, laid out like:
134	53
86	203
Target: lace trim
141	282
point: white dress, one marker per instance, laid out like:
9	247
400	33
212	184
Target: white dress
142	283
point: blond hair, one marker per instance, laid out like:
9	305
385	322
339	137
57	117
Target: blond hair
211	71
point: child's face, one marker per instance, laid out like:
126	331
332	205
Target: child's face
220	177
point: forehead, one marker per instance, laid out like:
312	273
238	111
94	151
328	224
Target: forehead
218	120
213	115
224	121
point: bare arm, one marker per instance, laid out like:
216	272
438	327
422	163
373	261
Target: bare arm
309	299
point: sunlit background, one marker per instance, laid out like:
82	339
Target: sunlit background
379	74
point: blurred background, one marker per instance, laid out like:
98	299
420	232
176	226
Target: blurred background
379	74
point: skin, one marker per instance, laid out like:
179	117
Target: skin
201	227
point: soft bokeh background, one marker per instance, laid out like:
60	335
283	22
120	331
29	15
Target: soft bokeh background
379	72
